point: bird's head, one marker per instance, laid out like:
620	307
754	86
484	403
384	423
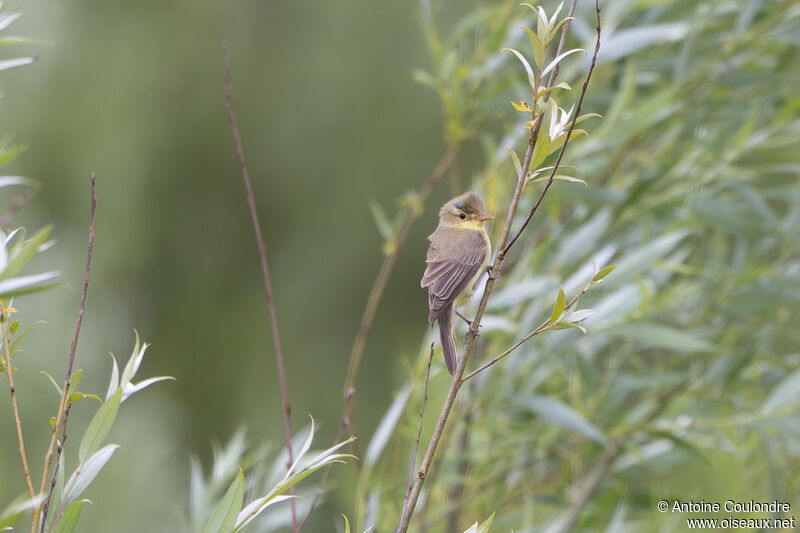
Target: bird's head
464	211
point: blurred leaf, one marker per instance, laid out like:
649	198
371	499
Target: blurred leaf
385	227
554	63
70	518
531	75
224	517
85	473
6	64
660	336
254	508
540	151
562	415
605	271
17	509
560	177
14	345
99	426
515	159
786	392
24	254
113	383
9	181
27	284
630	40
558	308
304	448
485	527
53	381
7	18
387	426
537	46
581	314
569	325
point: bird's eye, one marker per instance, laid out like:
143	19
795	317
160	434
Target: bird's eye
462	216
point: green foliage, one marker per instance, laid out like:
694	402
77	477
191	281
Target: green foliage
689	370
231	514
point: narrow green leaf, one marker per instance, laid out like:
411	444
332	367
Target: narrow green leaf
381	220
786	392
85	473
558	60
531	75
537	45
387	425
70	519
52	380
224	518
515	159
18	339
605	271
562	415
17	509
16	62
569	325
557	27
558	308
540	151
256	507
99	426
27	284
9	181
487	524
560	177
25	253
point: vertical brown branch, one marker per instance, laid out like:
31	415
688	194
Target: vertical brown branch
349	420
64	406
262	253
375	295
495	270
419	430
18	422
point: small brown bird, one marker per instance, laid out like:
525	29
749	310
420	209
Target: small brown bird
458	255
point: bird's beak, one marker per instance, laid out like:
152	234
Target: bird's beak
484	217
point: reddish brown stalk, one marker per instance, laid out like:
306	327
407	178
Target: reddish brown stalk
262	253
40	512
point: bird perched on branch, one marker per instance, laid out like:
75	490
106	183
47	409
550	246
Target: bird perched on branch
458	254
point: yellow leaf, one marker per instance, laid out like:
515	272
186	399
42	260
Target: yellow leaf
521	106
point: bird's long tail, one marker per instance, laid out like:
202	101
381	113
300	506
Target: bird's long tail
446	336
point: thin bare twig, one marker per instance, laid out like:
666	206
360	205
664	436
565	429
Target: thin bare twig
40	511
419	430
16	204
495	270
375	295
455	493
10	374
540	329
262	253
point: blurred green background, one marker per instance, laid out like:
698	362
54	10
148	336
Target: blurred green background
331	119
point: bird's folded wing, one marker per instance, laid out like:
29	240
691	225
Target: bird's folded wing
450	270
